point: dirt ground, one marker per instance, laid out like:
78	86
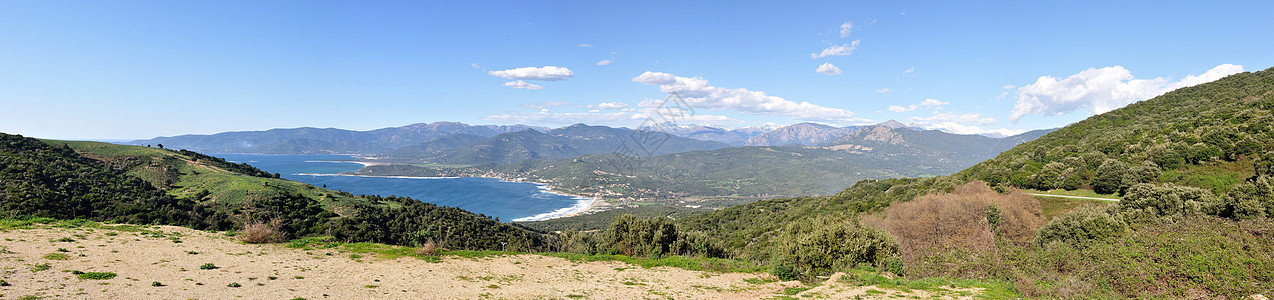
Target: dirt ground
40	263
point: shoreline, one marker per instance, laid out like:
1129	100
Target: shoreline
594	202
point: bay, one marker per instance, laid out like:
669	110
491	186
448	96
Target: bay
505	200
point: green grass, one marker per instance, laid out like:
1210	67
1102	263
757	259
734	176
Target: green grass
867	276
1217	176
1078	193
57	256
795	290
96	275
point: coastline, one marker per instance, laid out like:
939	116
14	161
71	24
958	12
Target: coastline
594	202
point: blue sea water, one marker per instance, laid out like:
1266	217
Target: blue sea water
508	201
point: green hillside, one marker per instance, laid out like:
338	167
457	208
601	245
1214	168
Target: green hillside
1192	166
104	182
1209	136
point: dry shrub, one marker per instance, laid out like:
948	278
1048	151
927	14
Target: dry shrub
259	232
968	222
428	249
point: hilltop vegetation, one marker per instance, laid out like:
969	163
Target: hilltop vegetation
1210	136
1197	197
141	185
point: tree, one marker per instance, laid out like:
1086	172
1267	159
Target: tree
1109	177
161	146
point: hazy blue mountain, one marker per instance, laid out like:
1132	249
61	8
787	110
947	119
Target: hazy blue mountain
308	140
807	134
570	141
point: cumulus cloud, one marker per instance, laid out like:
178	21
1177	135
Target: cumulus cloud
956	128
828	69
545	105
546	73
1101	90
883	90
909	70
895	108
933	102
604	62
612	105
837	50
597	117
927	102
944	117
845	29
584	45
523	85
697	94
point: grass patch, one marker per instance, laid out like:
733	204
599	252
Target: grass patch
40	267
57	256
795	290
868	276
96	275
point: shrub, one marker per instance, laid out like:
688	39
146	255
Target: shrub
1109	177
1166	200
1081	225
234	285
1249	200
784	271
817	246
156	283
207	266
428	249
259	232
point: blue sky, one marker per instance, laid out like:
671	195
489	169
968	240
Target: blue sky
140	69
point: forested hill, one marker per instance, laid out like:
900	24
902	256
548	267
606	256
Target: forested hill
1193	168
1211	136
107	182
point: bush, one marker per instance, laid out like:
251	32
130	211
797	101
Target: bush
1081	225
259	232
207	266
1109	177
817	246
1166	200
784	271
428	249
1249	200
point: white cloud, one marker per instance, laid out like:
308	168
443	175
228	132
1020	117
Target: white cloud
927	102
584	45
956	128
698	94
597	117
909	70
883	90
546	73
845	29
933	102
895	108
475	66
604	62
942	117
828	69
523	85
612	105
1009	86
1101	90
837	50
544	105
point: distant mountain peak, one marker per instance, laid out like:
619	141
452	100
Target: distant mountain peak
892	124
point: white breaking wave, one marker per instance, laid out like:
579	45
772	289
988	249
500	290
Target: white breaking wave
583	204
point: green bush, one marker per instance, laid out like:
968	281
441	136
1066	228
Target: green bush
207	266
784	271
817	246
1166	200
1249	200
1082	225
1109	177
